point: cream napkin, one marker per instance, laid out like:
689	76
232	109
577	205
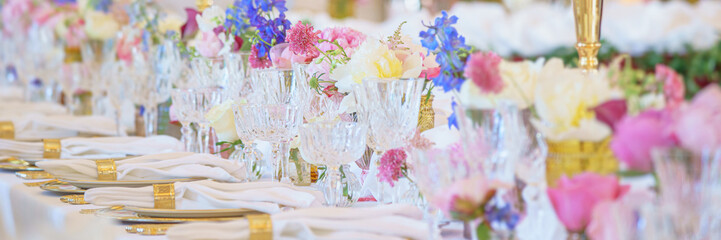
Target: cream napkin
23	108
155	166
94	148
265	197
396	221
37	126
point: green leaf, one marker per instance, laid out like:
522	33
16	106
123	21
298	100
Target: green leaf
483	232
631	173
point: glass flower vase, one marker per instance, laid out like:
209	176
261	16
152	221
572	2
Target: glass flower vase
251	157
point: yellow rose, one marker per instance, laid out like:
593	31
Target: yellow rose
372	59
563	99
222	120
100	26
519	79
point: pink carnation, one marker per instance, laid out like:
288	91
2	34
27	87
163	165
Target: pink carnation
209	45
391	165
256	62
699	124
673	88
302	39
347	38
612	220
482	69
636	136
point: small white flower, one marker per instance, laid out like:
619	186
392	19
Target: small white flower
211	18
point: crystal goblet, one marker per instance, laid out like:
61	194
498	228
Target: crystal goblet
249	154
389	108
182	105
318	106
332	144
200	101
277	124
275	86
225	71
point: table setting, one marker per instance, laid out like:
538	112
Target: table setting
252	119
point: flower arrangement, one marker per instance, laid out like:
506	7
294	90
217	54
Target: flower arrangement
267	18
393	164
208	34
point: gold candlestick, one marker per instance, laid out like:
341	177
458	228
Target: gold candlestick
203	4
588	31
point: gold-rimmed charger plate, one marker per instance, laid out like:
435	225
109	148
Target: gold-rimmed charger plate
137	183
61	187
183	213
15	164
125	215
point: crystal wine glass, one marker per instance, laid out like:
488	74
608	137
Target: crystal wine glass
182	105
275	86
389	108
332	144
277	124
226	71
318	106
249	155
200	101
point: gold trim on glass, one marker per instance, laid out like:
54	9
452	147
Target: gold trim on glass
261	227
75	199
33	175
7	130
148	229
587	14
164	195
51	148
106	170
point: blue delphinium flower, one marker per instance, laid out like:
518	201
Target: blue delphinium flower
443	39
501	215
259	14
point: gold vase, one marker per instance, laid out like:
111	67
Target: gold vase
73	54
427	116
587	14
573	157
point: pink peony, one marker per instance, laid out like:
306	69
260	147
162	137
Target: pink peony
673	88
482	69
302	39
699	124
636	136
429	73
347	38
209	45
613	220
391	165
256	62
574	199
125	47
283	58
13	11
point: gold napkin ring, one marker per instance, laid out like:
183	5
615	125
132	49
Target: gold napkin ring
261	227
51	148
106	170
7	130
164	195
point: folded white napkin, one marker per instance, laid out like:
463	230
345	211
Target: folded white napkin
396	221
24	108
265	197
37	126
153	167
94	148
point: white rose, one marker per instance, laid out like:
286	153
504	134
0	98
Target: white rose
222	120
519	79
100	26
374	59
211	18
563	101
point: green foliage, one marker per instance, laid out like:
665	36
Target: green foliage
232	145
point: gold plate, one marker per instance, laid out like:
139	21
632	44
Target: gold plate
138	183
200	213
61	187
130	216
15	164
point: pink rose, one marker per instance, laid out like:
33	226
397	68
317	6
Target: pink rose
209	45
46	15
283	58
574	199
482	69
636	136
613	220
125	47
429	73
673	88
699	123
611	112
465	196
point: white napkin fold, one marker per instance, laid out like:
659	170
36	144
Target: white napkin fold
37	126
395	221
94	148
153	167
23	108
265	197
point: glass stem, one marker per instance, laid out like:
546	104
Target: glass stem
213	139
69	102
281	153
333	187
150	120
186	137
380	186
117	122
203	138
